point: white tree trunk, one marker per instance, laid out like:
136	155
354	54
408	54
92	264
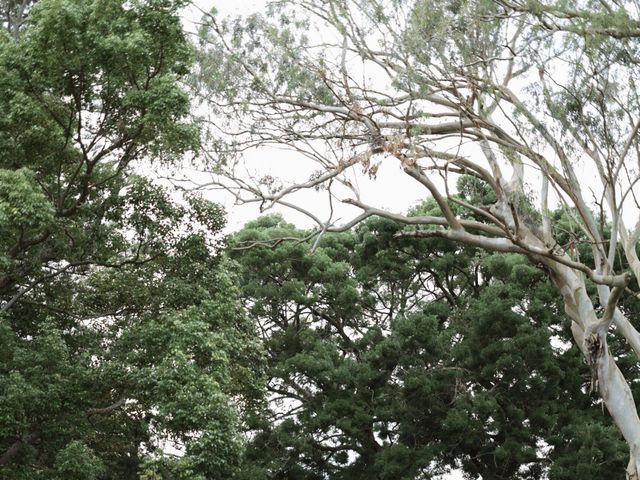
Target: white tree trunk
607	378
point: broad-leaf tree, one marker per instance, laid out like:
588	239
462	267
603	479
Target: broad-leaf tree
122	339
536	99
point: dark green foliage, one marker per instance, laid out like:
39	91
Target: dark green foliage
396	358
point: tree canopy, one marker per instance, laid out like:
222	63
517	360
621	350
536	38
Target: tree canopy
395	358
123	341
491	328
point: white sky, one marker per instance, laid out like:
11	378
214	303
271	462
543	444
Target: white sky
391	190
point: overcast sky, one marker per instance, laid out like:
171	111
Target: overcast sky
391	190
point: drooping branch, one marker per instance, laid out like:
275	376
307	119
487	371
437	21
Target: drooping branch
415	173
14	448
108	409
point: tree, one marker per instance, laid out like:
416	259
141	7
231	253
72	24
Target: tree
397	358
514	93
121	331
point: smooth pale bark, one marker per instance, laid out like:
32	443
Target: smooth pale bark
607	378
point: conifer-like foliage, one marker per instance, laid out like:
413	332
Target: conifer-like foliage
121	337
399	359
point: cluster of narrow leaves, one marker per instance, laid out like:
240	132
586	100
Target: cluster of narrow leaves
122	339
400	359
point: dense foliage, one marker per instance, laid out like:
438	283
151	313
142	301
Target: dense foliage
392	358
128	341
122	339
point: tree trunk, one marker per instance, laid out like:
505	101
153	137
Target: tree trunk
606	376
